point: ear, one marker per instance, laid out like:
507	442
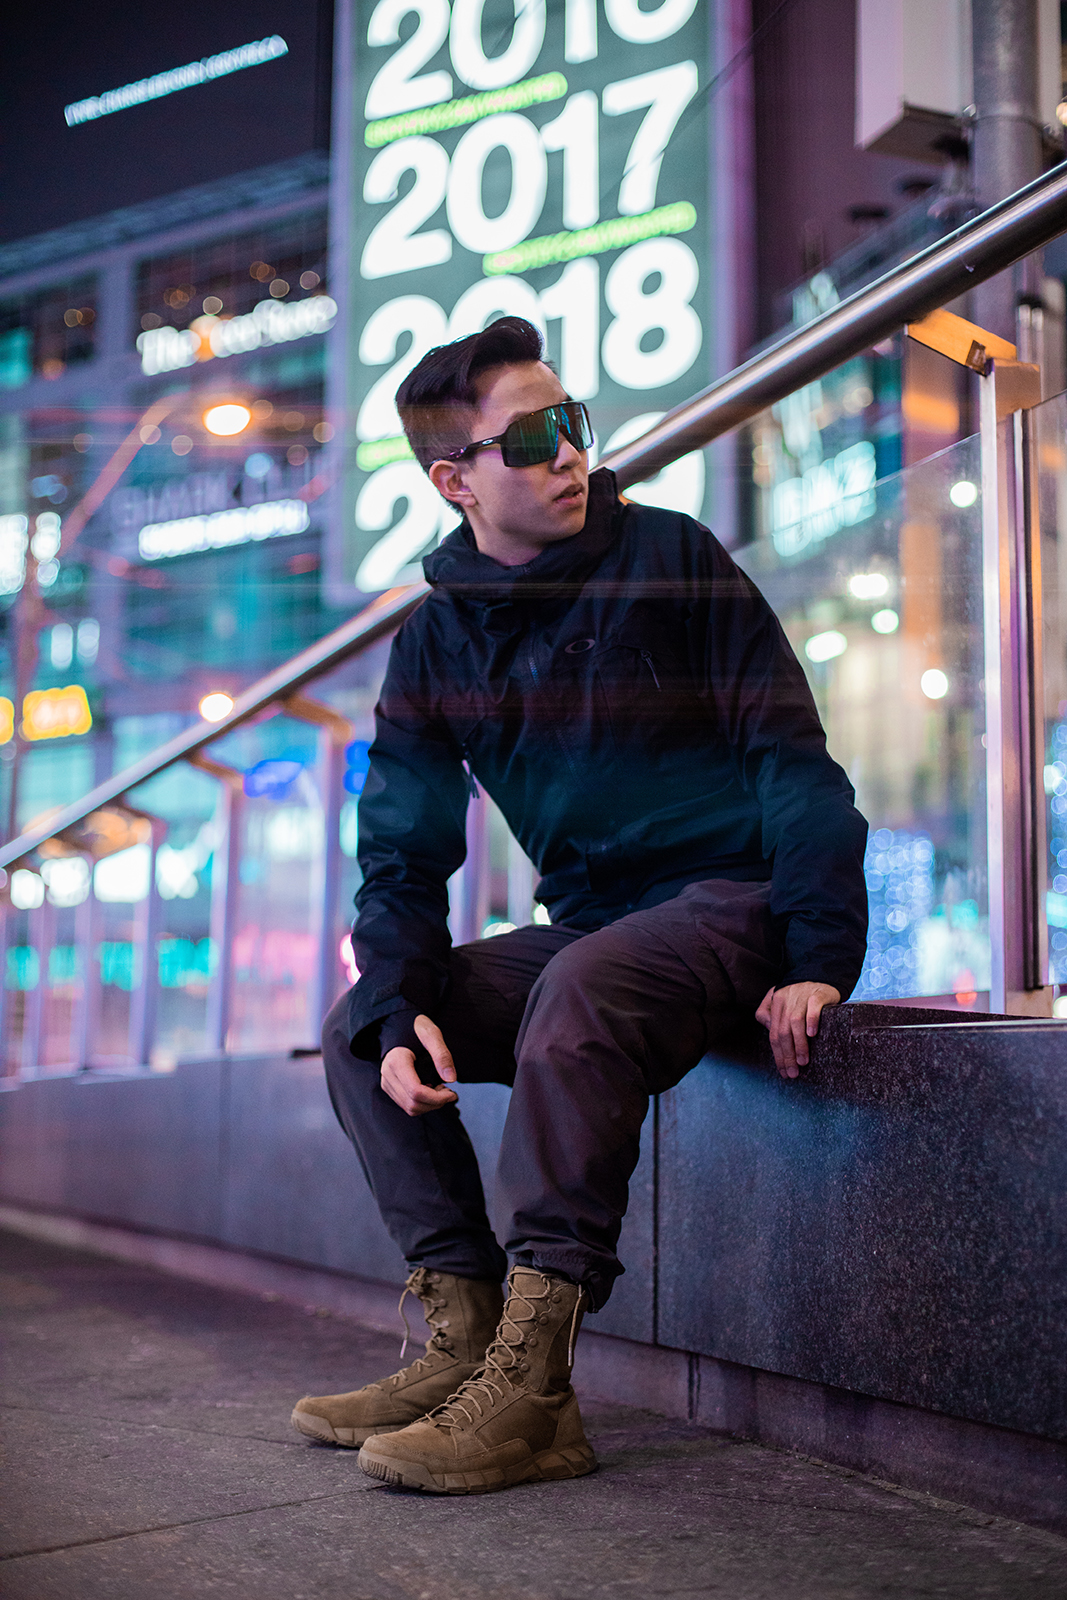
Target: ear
450	480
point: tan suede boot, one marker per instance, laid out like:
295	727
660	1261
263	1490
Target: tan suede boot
516	1421
463	1313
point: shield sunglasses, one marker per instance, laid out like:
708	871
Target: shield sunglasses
535	438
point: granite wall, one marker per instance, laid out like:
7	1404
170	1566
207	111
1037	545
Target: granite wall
895	1224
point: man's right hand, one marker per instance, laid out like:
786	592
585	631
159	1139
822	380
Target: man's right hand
402	1083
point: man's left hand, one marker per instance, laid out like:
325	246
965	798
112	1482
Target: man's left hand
791	1017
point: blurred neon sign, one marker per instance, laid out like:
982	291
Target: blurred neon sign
270	322
56	713
163	83
219	529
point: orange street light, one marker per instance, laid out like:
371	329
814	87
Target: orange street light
226	420
213	707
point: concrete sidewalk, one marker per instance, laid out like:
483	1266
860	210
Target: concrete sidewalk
148	1454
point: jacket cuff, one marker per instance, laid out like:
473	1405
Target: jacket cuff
398	1029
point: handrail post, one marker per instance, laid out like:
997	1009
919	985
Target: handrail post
86	1006
143	1002
41	920
225	862
1013	690
330	775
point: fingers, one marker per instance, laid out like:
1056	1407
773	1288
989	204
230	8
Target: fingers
431	1036
794	1014
763	1014
403	1086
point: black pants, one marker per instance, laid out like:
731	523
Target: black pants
585	1027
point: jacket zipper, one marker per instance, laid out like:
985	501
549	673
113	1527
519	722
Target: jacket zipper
472	787
647	659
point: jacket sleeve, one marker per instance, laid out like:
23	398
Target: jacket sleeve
812	833
411	839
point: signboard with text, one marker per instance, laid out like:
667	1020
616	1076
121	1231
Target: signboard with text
548	160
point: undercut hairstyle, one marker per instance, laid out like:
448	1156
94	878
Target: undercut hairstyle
438	399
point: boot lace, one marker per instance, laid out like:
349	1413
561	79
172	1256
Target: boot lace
503	1359
419	1285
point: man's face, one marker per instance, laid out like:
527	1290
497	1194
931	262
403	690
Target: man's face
515	512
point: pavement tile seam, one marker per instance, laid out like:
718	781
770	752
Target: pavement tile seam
167	1527
152	1427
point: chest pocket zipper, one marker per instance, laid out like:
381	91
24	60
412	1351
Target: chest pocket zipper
650	664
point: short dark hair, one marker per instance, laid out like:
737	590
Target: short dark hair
438	398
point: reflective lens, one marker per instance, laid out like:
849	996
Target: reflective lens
530	440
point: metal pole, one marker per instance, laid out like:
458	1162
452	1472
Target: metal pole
40	922
520	884
224	885
1012	622
147	922
1006	147
330	783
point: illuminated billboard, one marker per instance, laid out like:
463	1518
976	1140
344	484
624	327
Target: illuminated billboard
517	157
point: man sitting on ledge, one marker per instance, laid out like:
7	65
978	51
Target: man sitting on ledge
625	695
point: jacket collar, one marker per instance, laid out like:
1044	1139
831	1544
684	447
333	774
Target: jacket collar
460	568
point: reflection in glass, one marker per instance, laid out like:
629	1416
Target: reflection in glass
880	593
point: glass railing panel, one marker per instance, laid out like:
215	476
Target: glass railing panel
186	803
120	900
62	975
1050	431
22	976
879	588
281	884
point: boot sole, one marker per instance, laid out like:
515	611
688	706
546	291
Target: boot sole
313	1427
549	1466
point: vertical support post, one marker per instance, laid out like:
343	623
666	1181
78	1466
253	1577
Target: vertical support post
41	923
520	884
5	992
143	1001
330	775
86	1006
468	889
224	885
1011	585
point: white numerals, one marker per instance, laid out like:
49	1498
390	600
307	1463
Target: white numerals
490	298
666	309
666	93
579	30
396	86
412	314
386	560
493	72
394	245
576	132
575	299
629	22
528	182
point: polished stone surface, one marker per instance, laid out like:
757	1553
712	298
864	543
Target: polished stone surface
895	1223
146	1149
292	1185
149	1453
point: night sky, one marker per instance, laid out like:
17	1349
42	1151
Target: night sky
60	52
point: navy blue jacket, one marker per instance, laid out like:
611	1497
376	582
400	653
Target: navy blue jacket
632	705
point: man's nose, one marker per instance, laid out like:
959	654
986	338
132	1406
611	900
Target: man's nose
566	455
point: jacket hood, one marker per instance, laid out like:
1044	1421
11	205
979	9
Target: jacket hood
461	569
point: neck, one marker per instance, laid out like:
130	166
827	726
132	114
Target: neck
509	549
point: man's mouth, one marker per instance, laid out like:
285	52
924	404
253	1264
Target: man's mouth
571	495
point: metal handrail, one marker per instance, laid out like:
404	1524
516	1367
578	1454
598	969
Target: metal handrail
376	620
976	251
